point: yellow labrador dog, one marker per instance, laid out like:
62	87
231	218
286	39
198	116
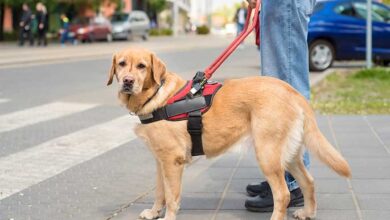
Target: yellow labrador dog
280	121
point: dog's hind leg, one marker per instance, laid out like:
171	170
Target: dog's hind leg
159	201
306	182
270	163
172	170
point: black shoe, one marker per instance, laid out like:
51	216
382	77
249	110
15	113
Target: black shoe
266	204
262	189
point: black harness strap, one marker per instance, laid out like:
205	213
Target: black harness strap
177	108
194	128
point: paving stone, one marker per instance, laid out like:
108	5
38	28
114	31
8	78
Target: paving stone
200	201
331	186
216	173
227	160
365	152
368	186
205	186
248	173
335	202
374	201
234	201
330	215
195	214
239	185
242	214
376	215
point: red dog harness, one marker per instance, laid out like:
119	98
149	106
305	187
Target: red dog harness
183	106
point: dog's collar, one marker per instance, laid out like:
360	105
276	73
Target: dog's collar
154	94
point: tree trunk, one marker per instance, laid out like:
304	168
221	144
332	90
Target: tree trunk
2	11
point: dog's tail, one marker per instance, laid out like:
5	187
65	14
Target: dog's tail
319	146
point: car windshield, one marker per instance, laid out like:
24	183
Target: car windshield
379	13
119	17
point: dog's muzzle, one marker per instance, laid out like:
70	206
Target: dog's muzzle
128	84
127	89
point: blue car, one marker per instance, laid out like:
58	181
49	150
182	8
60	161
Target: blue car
337	31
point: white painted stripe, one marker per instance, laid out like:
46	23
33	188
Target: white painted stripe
41	113
3	100
21	170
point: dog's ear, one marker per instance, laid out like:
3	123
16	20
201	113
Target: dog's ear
112	71
158	69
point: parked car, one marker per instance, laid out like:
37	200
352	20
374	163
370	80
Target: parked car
128	25
91	29
337	31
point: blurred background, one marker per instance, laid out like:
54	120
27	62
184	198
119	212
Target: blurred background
67	150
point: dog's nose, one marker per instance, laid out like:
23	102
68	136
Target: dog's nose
128	80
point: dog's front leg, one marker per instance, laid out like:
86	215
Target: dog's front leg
172	170
159	201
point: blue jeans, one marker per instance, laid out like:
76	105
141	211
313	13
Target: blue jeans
240	28
284	49
64	36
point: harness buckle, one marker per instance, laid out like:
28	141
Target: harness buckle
199	81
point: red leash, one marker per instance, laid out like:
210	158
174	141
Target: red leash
233	46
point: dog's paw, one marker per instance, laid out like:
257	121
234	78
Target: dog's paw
301	214
149	214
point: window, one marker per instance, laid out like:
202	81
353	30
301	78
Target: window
381	11
359	10
345	9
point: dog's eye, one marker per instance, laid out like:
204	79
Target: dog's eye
122	63
141	66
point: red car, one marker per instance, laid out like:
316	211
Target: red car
91	29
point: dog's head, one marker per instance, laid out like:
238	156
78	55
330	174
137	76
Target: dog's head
136	70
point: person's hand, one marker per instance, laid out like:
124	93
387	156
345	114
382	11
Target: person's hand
21	24
252	3
41	26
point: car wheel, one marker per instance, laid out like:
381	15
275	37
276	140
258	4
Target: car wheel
109	37
91	39
145	37
321	55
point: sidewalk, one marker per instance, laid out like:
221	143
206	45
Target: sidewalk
12	55
215	189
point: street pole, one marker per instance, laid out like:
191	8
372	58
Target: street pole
209	4
175	18
369	35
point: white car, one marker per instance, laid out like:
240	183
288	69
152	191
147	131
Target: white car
129	25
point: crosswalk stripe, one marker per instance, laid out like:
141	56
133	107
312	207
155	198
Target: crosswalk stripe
26	168
3	100
41	113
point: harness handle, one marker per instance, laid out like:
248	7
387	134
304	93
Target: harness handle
239	39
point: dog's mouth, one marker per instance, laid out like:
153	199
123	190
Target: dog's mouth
127	90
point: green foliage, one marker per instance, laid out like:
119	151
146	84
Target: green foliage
203	30
157	6
361	92
372	74
10	36
161	32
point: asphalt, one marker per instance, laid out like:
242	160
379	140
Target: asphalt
117	181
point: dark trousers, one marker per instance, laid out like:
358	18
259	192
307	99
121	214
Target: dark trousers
23	34
42	37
